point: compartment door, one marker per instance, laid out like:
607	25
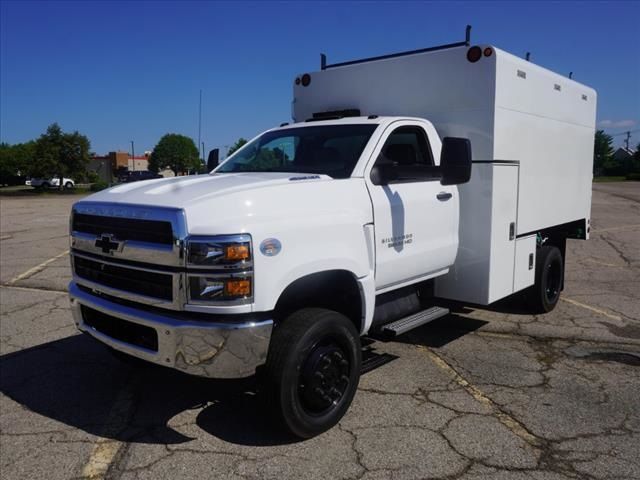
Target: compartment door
504	212
524	272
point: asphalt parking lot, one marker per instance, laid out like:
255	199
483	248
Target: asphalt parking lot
480	394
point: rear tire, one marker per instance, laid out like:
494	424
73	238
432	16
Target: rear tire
312	370
68	186
45	186
544	295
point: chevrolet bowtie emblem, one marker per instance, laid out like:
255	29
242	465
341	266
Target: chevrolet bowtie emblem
107	243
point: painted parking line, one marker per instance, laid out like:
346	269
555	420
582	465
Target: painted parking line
36	269
33	289
106	449
615	229
598	262
507	420
590	308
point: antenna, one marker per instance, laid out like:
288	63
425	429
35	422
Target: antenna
570	74
528	56
467	35
323	61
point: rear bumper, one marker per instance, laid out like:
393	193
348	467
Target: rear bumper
207	349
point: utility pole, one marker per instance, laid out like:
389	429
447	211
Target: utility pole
626	140
200	122
133	155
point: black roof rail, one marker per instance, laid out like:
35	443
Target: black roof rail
467	42
334	115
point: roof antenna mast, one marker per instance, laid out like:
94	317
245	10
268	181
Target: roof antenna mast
467	35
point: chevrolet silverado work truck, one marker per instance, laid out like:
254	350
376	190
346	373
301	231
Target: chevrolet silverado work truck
454	172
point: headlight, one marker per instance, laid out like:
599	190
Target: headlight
214	289
226	251
220	269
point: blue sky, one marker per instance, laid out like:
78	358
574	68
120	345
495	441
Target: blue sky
120	71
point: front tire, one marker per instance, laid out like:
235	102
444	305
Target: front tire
312	370
545	293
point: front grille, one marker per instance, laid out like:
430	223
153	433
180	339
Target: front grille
119	329
150	284
152	231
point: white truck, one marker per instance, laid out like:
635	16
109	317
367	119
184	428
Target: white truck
455	172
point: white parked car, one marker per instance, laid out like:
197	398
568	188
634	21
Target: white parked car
51	182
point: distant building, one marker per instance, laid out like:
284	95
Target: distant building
622	154
108	166
624	157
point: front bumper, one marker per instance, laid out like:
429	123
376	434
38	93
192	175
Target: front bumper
202	348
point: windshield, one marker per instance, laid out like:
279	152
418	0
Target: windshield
328	150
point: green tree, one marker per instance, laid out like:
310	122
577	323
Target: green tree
15	161
60	154
177	152
602	151
236	146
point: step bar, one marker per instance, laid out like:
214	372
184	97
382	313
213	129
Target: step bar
405	324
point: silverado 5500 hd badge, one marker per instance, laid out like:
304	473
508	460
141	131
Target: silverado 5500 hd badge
398	240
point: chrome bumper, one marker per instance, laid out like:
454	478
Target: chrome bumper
219	350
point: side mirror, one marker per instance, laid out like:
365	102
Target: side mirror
382	174
455	161
213	159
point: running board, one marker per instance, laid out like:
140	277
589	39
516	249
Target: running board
413	321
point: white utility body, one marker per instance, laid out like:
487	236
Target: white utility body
532	135
405	181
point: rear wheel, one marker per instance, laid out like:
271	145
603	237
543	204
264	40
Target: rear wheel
544	295
68	185
45	185
312	370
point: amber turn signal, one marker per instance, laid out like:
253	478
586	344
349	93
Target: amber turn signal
238	288
237	252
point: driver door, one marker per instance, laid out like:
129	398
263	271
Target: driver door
415	217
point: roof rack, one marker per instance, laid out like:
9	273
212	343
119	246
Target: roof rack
467	42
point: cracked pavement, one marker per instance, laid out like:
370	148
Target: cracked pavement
484	393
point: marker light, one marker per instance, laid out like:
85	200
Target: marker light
474	54
306	80
488	51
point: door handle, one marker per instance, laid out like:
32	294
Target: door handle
444	196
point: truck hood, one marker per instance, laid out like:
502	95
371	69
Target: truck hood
182	192
260	203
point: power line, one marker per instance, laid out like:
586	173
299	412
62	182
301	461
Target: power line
625	132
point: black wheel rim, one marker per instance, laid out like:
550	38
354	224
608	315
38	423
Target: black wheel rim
554	281
324	378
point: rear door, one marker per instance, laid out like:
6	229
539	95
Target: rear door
415	217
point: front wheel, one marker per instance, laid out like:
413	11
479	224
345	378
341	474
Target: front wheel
544	295
312	370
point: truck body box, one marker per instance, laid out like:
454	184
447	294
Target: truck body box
531	132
